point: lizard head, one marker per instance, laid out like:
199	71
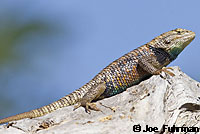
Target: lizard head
173	42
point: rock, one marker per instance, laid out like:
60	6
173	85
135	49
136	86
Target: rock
157	101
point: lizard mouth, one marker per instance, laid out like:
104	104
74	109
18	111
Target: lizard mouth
187	39
181	43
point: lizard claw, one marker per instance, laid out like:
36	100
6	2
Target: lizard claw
92	106
77	106
169	68
164	69
87	107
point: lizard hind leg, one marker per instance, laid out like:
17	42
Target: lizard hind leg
91	95
91	106
88	106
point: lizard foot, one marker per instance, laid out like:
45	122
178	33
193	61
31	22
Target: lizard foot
165	69
93	94
91	106
111	108
77	106
88	106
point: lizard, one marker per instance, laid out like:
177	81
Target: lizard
128	70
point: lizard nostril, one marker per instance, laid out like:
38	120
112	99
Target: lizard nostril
179	32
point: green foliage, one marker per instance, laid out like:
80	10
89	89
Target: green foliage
11	32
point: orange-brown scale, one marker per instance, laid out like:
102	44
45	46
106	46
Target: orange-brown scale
125	71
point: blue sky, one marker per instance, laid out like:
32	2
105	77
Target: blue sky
94	33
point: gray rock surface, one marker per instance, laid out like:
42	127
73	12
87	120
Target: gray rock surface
157	101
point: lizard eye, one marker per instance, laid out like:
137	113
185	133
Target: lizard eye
167	42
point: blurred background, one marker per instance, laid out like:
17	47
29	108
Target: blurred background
50	48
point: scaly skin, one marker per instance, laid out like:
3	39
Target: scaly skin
124	72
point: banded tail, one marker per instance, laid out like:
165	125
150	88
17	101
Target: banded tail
67	100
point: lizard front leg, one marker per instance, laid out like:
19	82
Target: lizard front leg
148	65
93	94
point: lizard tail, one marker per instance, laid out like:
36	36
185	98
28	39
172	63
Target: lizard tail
67	100
17	117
